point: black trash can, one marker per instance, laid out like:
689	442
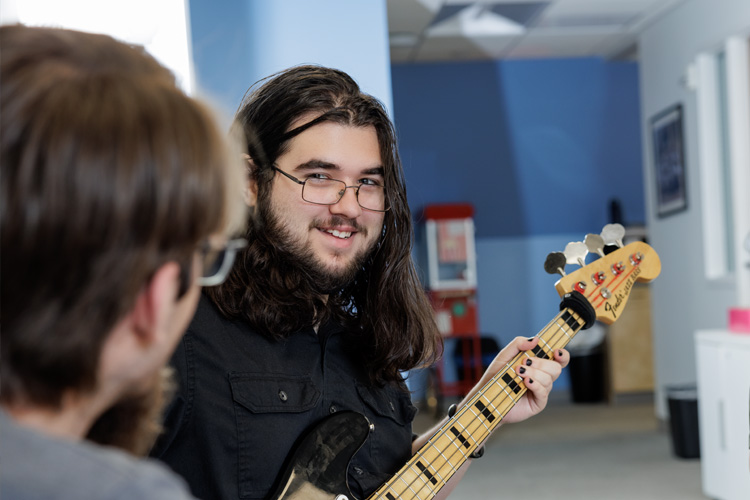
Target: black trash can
683	421
587	376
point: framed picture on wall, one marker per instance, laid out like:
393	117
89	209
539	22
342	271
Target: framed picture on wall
669	161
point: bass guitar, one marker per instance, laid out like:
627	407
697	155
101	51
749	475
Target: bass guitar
597	291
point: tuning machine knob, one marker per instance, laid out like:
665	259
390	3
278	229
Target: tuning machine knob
595	244
575	253
612	234
555	263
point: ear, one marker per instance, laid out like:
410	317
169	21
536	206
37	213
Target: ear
155	302
251	187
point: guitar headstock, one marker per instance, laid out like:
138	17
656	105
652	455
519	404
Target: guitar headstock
606	283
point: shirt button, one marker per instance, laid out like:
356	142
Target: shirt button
283	396
332	409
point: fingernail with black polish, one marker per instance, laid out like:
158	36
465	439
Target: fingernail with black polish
522	370
530	339
530	381
528	362
559	353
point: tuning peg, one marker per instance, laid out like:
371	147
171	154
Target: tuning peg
575	253
612	234
595	244
555	263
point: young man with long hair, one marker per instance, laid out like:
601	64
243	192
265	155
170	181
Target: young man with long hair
323	310
118	195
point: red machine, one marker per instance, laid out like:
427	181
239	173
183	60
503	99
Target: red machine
451	286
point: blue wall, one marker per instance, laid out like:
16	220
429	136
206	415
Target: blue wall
539	148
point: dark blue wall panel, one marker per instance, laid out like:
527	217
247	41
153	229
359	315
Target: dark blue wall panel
538	146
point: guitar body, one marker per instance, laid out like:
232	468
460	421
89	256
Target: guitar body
317	468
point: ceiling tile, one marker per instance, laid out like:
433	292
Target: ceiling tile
463	29
449	49
522	13
556	46
448	11
408	16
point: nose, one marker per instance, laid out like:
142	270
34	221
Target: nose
348	206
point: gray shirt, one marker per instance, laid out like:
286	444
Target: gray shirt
41	467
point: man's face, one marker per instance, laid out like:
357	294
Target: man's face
332	241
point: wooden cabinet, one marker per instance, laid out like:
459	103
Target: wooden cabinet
723	363
629	346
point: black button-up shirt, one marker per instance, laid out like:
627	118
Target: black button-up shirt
244	400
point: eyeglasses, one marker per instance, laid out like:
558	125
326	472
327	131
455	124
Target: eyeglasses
325	191
216	262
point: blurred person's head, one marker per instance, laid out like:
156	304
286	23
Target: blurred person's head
116	188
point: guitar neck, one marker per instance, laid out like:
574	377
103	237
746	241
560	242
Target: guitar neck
431	468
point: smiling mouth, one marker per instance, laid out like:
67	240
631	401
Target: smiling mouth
344	235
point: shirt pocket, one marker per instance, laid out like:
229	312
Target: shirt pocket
267	409
388	402
388	448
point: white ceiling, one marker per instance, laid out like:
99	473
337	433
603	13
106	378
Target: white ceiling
460	30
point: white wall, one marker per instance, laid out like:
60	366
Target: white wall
683	299
161	26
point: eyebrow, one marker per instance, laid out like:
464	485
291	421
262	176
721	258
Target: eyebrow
324	165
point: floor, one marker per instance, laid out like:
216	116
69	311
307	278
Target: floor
581	451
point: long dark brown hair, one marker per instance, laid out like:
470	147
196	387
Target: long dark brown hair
384	306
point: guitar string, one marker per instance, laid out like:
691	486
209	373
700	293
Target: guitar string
555	328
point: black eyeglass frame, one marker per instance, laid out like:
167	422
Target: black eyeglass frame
343	191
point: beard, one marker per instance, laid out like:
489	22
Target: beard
133	423
298	256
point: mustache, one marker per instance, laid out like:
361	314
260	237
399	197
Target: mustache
336	221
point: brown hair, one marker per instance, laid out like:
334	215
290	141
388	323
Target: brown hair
108	172
385	305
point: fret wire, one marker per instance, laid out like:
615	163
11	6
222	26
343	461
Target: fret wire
413	492
447	461
505	387
408	485
541	339
464	428
477	419
435	471
490	403
425	482
421	455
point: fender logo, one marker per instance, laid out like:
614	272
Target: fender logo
613	306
